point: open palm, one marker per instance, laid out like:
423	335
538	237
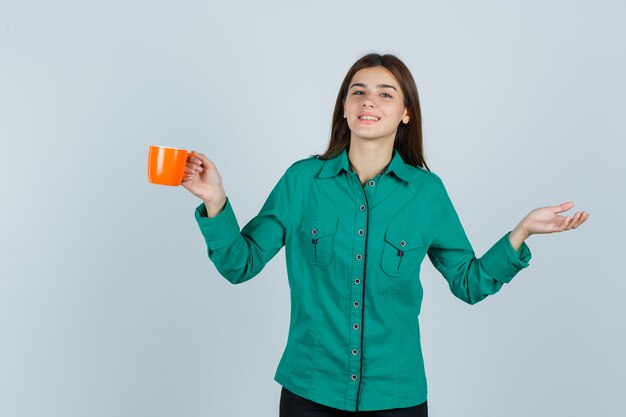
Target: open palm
548	220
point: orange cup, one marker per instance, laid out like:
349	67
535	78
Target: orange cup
166	166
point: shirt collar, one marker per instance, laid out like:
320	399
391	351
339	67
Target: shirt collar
333	166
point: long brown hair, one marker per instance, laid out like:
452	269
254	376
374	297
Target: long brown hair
408	141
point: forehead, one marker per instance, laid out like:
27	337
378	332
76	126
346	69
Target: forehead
374	75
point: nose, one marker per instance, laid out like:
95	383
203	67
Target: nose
367	100
368	103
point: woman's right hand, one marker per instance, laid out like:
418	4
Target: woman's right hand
203	180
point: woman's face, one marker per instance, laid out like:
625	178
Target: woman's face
374	105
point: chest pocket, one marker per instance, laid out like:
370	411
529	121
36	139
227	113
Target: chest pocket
403	251
318	239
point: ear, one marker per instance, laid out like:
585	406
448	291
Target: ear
406	116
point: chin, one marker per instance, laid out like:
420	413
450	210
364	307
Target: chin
369	138
368	134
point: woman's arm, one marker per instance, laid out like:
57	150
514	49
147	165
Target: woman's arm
518	236
472	279
213	208
238	254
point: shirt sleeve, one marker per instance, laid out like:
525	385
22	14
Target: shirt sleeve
472	279
239	255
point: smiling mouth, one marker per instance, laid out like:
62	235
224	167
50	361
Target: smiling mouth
369	118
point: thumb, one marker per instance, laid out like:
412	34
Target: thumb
563	207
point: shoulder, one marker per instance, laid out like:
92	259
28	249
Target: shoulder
305	166
425	180
424	173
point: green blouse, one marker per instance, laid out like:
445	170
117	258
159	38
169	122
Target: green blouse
353	256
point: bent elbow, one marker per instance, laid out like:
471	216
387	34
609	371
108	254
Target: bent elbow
468	297
238	276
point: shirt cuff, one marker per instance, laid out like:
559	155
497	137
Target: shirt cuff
502	262
220	230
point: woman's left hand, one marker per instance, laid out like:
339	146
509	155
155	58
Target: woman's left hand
548	220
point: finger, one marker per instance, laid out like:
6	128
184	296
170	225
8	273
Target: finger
194	167
204	159
575	219
565	223
581	219
563	207
190	171
193	160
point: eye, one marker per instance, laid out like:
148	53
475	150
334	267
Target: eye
356	93
386	95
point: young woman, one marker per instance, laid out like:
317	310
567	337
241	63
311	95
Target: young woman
356	223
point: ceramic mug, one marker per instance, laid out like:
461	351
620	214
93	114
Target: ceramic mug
166	166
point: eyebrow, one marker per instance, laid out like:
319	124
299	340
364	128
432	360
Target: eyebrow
377	86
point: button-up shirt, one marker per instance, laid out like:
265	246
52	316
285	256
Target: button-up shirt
353	256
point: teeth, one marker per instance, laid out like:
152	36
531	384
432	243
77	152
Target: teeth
368	118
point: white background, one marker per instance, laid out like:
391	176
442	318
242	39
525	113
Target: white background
109	305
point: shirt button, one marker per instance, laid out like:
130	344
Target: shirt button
402	243
354	351
355	326
314	231
361	232
362	207
354	377
372	183
357	281
358	256
356	303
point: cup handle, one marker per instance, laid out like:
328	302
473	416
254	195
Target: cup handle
188	154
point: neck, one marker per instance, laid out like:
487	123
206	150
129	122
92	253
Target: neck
369	159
